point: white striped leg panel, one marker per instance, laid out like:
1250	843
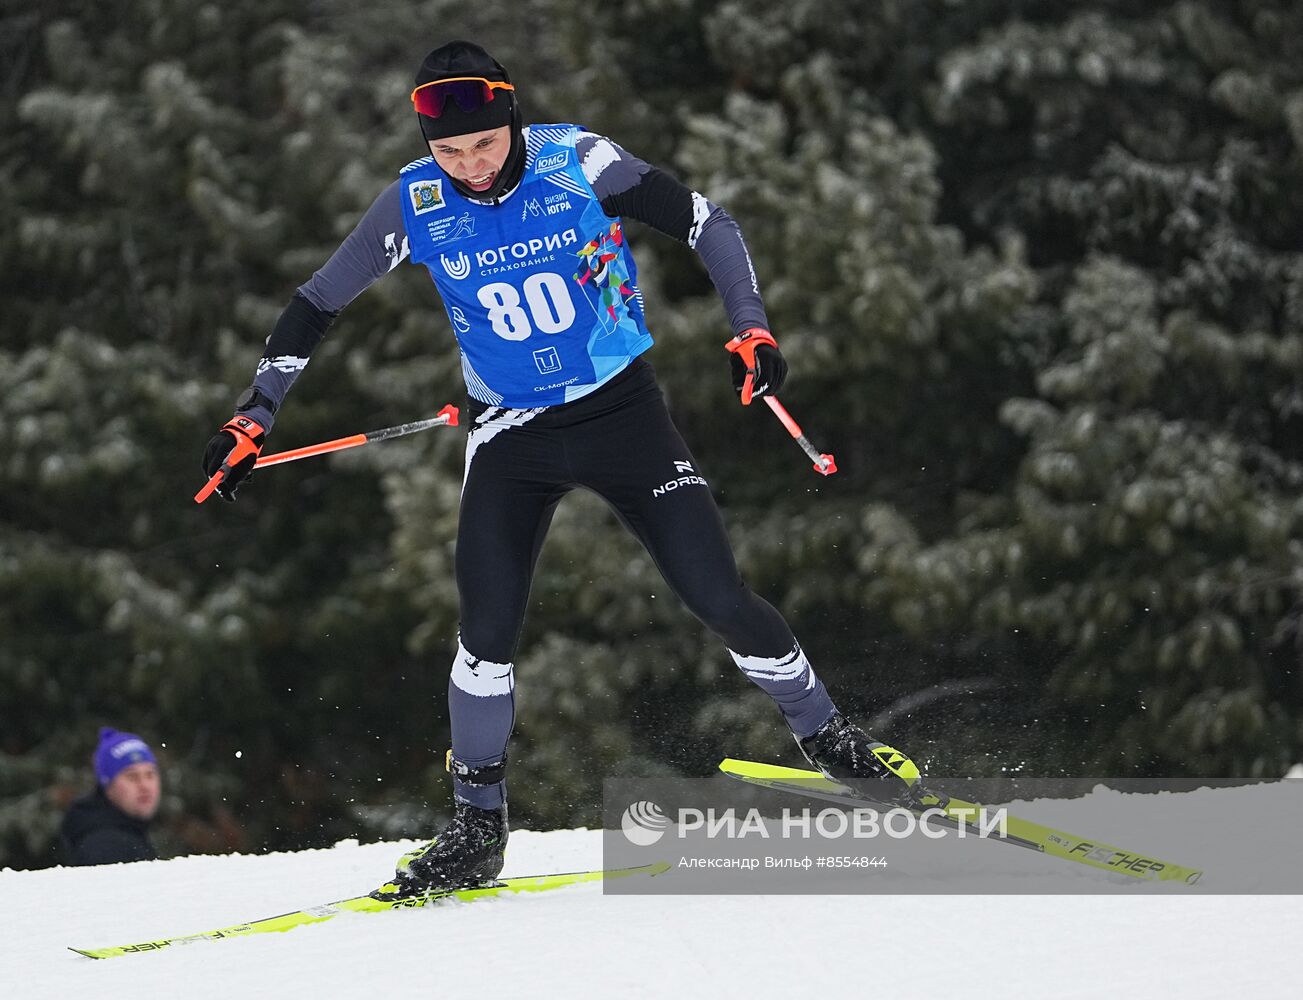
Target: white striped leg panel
793	666
481	678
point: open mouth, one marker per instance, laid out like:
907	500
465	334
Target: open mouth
482	182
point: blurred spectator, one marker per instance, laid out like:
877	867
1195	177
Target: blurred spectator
111	824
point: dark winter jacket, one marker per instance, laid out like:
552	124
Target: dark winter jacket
96	832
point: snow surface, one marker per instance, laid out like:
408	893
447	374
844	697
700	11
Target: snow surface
578	943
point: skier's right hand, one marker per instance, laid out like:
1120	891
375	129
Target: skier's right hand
233	450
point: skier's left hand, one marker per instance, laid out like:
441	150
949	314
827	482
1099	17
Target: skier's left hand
755	353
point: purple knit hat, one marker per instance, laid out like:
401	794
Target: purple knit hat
118	751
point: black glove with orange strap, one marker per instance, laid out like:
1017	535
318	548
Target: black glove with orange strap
232	451
759	368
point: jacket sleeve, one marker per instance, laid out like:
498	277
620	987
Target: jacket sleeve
374	248
632	188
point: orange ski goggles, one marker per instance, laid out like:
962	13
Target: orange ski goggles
469	92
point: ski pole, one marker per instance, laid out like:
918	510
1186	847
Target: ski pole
825	465
446	417
743	346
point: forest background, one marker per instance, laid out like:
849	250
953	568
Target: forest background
1035	265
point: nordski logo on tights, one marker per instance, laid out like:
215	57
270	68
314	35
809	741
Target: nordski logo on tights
690	478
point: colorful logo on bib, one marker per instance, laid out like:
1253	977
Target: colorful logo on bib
601	266
427	196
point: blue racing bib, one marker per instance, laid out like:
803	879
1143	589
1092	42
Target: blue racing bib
542	289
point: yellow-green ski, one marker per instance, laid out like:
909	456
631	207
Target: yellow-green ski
365	904
1020	832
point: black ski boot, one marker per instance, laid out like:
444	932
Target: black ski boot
844	753
468	853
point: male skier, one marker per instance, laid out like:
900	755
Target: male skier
520	228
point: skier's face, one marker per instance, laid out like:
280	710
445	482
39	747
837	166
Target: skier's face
474	158
135	790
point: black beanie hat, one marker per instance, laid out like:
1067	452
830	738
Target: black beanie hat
465	59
